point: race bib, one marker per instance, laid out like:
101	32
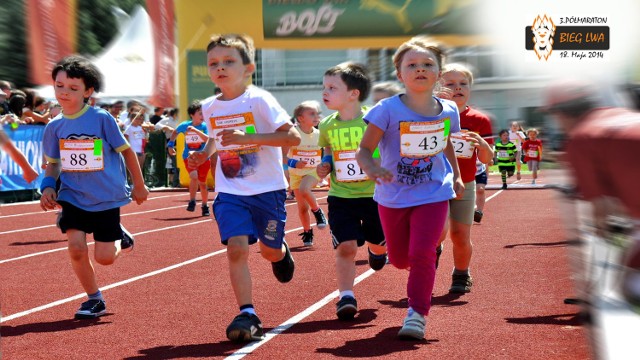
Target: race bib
503	154
81	155
532	153
462	147
346	167
193	140
420	139
243	122
312	157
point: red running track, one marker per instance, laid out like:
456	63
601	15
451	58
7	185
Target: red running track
171	299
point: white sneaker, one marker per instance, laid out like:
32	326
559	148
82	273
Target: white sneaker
413	327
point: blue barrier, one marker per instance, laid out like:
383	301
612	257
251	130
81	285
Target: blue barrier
27	138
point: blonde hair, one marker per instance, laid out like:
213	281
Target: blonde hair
534	130
308	104
420	42
461	68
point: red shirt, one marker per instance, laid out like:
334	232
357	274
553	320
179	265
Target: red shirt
530	146
477	122
603	151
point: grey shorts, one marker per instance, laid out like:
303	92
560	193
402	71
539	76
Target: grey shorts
461	210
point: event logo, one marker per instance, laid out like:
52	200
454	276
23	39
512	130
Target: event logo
569	41
543	29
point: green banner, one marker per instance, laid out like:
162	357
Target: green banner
199	85
365	18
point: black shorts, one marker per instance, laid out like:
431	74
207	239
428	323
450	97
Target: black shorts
354	219
481	178
104	225
509	169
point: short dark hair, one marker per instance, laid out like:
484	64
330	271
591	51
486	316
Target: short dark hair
79	67
194	107
354	75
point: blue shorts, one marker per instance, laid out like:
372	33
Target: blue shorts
260	216
482	178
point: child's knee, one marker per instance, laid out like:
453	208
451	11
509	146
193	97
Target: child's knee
77	252
347	250
105	259
237	252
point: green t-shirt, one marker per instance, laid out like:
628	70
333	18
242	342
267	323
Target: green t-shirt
347	180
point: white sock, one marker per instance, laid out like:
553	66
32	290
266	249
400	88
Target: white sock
347	293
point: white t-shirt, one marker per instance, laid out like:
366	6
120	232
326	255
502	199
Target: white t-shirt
135	136
516	138
247	169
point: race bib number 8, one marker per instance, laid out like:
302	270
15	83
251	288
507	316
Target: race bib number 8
346	167
461	146
311	157
81	155
422	139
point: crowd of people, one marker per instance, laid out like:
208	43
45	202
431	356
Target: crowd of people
404	175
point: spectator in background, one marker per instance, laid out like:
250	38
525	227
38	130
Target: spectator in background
157	115
29	113
157	146
383	90
115	109
167	125
602	149
5	94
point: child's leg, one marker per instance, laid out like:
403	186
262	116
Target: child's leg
79	255
518	163
204	193
345	264
503	175
303	210
193	184
395	223
238	257
307	183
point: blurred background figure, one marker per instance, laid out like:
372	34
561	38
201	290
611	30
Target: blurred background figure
385	89
602	147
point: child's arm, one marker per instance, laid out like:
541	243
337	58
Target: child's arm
285	135
202	135
139	192
364	155
450	153
28	172
199	157
324	168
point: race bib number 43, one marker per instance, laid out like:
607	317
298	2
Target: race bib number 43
81	155
419	139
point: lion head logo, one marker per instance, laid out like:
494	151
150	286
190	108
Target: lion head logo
543	29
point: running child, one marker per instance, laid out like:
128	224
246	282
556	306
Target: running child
419	173
195	137
247	126
353	214
470	146
86	150
302	161
517	137
506	152
532	148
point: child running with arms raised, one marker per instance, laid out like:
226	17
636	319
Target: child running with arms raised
302	161
418	174
247	126
85	148
353	215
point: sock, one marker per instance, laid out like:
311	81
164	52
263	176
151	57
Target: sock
316	210
248	308
347	293
504	177
96	296
460	272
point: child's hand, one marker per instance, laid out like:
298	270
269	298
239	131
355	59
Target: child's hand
29	174
301	164
234	137
458	187
171	151
48	199
139	194
472	138
379	174
196	158
323	169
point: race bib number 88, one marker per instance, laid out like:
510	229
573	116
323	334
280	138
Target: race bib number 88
81	155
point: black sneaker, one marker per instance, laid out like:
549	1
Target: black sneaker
307	237
504	186
346	308
376	262
438	253
205	210
245	327
461	284
192	206
127	240
91	309
477	216
283	269
321	220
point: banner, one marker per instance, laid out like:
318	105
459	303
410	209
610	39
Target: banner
28	139
162	20
51	35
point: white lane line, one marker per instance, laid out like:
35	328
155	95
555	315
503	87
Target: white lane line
40	212
124	282
249	348
91	243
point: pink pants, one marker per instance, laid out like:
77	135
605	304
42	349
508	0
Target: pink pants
412	236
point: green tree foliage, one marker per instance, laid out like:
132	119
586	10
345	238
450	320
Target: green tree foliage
96	27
